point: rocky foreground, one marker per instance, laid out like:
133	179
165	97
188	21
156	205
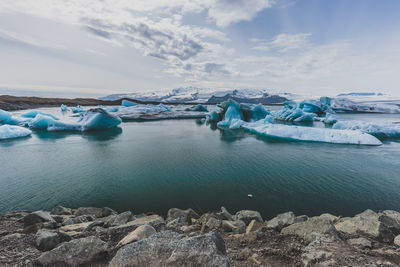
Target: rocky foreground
90	236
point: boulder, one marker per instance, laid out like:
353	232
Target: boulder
225	215
80	219
77	252
98	212
308	230
183	215
237	227
282	220
360	242
396	241
37	217
139	233
247	215
119	219
330	217
47	240
60	210
172	249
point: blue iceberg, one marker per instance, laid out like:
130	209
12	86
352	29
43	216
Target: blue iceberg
198	107
13	131
64	108
311	134
330	118
34	113
253	112
296	114
78	109
127	103
232	115
8	118
379	130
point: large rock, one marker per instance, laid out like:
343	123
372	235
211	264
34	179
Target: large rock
213	223
79	219
171	249
182	215
237	227
119	219
80	227
98	212
60	210
375	225
37	217
282	220
225	215
139	233
310	229
47	240
77	252
248	215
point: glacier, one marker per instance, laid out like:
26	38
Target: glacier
13	131
93	119
34	113
386	130
311	134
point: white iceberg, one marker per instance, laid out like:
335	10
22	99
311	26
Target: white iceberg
34	113
386	130
13	131
330	118
311	134
64	108
78	109
347	105
93	119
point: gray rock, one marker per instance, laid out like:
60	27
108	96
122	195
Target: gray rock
80	227
213	223
60	210
396	241
47	240
317	254
225	215
282	220
183	215
77	252
301	218
171	249
61	218
98	212
237	227
330	217
308	230
360	242
80	219
119	219
11	237
37	217
143	231
248	215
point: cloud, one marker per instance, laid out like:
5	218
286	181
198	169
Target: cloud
282	42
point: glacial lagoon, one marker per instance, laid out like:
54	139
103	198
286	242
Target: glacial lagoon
156	165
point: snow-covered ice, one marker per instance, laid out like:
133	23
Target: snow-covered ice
13	131
387	130
347	105
311	134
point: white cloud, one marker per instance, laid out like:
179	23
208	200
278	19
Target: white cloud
282	42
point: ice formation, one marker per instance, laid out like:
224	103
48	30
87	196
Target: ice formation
198	107
8	118
112	109
34	113
213	116
321	106
127	103
78	109
379	130
311	134
253	112
93	119
232	115
290	113
13	131
64	108
347	105
330	118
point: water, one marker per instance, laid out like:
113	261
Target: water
153	166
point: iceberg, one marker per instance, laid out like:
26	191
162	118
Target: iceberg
330	118
34	113
287	113
213	116
64	108
112	109
378	130
127	103
8	118
321	106
253	112
93	119
198	107
347	105
311	134
232	115
78	109
13	131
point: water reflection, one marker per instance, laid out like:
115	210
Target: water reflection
104	135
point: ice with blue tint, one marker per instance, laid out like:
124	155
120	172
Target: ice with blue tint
33	113
64	108
214	116
330	118
347	105
8	118
232	115
78	109
253	112
321	106
93	119
127	103
198	107
13	131
143	109
311	134
289	113
388	130
112	109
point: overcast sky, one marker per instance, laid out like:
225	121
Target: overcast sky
94	47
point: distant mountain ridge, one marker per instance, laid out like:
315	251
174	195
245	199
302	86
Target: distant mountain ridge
205	96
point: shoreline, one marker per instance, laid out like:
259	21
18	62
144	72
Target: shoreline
102	237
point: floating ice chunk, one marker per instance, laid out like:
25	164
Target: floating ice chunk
346	105
232	114
8	118
78	109
330	118
379	130
306	117
93	119
140	109
127	103
33	113
213	116
112	109
198	107
253	112
317	106
13	131
64	108
293	114
310	134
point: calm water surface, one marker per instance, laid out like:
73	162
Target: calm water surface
153	166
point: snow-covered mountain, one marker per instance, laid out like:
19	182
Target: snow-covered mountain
205	95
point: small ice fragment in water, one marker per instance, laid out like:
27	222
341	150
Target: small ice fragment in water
13	131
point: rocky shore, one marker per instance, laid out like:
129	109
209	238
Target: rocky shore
90	236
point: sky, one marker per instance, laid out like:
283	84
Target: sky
99	47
